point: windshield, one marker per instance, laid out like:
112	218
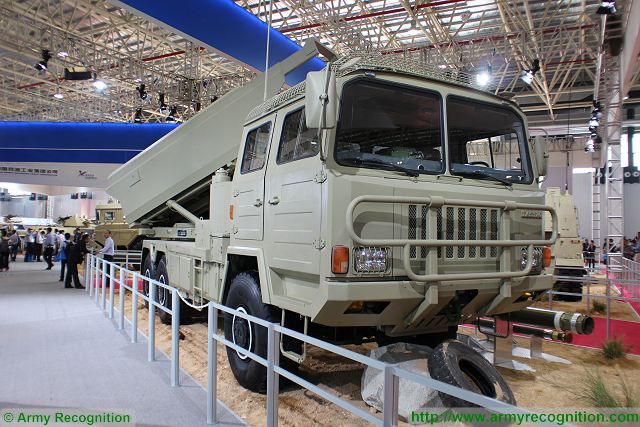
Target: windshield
387	126
487	142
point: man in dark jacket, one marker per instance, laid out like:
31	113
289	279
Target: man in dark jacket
76	253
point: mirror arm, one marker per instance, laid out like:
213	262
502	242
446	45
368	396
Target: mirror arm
323	117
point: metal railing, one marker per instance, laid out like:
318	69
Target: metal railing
99	269
432	244
392	374
619	272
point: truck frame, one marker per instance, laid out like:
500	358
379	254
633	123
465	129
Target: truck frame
355	206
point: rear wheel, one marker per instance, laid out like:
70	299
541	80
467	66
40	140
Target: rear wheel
148	271
163	296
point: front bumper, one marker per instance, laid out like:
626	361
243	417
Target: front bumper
417	308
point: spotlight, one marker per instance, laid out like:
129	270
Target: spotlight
589	147
607	8
483	78
138	117
172	114
527	75
42	65
99	85
163	106
142	91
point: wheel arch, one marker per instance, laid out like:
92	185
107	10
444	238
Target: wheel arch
241	259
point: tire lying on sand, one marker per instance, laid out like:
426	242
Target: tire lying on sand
457	364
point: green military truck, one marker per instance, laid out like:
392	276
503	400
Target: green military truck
376	200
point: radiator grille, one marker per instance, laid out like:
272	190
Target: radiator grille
454	223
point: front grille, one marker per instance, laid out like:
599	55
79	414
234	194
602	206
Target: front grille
454	223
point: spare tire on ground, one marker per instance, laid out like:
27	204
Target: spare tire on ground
457	364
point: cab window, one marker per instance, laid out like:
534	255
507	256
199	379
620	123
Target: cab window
255	149
297	141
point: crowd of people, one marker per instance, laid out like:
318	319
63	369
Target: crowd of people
49	246
630	249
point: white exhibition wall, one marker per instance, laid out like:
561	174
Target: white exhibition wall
55	207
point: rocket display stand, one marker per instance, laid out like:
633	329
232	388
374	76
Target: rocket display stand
500	349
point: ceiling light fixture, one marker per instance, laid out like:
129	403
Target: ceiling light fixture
163	106
58	94
41	66
142	92
172	114
62	54
527	75
607	8
484	77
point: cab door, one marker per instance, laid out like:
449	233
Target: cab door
293	196
248	182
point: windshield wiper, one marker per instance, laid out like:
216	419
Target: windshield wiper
376	162
479	172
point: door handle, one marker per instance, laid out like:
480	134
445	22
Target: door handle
257	203
274	201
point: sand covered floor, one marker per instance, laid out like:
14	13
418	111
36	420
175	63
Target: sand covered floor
549	387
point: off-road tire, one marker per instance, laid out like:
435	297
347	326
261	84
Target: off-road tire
147	269
244	294
163	296
457	364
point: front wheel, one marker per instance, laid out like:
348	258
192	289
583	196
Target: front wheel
244	296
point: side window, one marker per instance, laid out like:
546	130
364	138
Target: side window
297	142
255	149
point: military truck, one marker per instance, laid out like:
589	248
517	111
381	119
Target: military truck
374	200
567	261
110	217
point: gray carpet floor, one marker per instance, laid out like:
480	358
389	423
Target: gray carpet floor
57	350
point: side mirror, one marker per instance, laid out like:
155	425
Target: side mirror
321	99
542	156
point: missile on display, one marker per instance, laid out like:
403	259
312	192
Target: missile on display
559	320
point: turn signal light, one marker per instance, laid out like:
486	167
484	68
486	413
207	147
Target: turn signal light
231	212
340	260
546	256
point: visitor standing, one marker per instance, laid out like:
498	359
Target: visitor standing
4	250
50	241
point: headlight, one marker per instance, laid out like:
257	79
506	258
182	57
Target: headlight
536	263
371	260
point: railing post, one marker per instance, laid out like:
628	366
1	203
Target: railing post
273	389
99	272
103	294
89	284
86	271
175	338
112	273
391	394
212	365
151	351
121	299
134	315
